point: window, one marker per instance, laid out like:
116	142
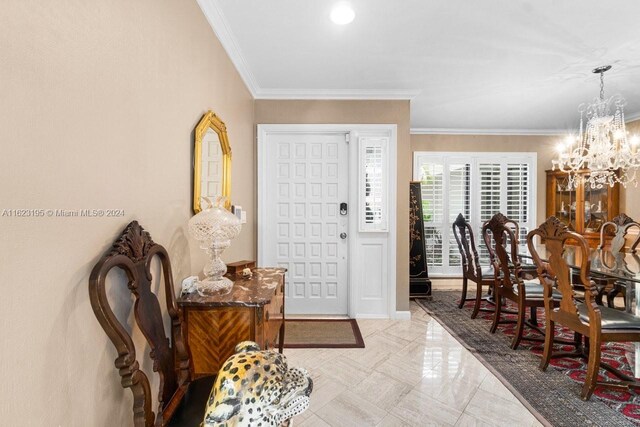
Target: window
478	185
373	184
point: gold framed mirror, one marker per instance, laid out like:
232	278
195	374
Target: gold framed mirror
211	161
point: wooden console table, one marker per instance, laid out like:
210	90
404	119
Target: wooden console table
253	310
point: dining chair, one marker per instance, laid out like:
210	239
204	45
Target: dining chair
527	271
509	283
597	323
618	245
471	268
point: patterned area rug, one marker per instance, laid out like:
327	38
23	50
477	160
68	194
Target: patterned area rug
317	333
552	395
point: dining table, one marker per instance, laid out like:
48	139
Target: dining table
623	267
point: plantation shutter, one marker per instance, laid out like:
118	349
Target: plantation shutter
477	185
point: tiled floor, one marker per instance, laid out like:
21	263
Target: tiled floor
411	373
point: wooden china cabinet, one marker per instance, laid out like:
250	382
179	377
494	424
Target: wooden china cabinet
584	209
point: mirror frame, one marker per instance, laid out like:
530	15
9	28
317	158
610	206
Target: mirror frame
211	121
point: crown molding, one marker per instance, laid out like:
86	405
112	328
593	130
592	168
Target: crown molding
632	117
218	24
350	94
454	131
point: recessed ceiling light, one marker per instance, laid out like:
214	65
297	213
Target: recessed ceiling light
342	14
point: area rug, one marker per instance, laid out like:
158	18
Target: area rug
317	333
552	396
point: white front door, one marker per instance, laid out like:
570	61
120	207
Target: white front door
305	181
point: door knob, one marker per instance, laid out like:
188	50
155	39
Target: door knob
343	236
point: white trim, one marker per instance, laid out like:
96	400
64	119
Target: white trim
219	25
353	94
455	131
218	22
632	117
368	316
391	129
403	315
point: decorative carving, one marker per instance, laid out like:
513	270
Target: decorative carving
132	252
506	262
467	247
622	219
497	221
134	242
553	228
621	224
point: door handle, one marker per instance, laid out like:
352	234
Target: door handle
343	235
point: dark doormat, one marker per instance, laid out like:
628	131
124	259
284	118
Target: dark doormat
319	333
552	396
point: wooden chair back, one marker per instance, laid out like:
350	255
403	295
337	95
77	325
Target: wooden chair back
132	252
621	225
490	243
471	268
505	261
556	271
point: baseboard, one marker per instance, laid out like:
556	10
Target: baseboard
398	315
446	283
403	315
371	316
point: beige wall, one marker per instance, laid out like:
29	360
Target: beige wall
99	101
630	197
356	112
544	146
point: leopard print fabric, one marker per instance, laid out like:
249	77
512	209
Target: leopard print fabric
256	388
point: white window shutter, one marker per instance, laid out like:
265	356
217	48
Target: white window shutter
373	185
477	185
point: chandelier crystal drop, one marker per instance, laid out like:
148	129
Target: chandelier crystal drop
602	146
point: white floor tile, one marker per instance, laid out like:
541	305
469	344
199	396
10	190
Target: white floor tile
410	373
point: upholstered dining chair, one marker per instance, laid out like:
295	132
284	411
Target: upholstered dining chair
509	282
471	268
621	225
597	323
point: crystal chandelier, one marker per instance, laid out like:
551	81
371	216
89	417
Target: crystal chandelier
602	145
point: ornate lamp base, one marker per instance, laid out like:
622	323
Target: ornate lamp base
220	286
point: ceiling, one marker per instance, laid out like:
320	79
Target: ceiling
490	66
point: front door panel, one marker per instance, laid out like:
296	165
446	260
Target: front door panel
304	230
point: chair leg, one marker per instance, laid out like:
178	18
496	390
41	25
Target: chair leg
476	306
628	297
534	315
593	367
463	297
497	311
522	310
600	295
611	295
550	331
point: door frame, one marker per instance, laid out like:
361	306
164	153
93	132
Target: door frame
356	305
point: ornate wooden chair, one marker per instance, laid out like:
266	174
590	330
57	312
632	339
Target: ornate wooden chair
471	268
180	402
509	282
600	324
618	246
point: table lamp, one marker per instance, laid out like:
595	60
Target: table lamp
214	227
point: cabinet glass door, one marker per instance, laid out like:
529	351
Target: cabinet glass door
565	208
595	208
